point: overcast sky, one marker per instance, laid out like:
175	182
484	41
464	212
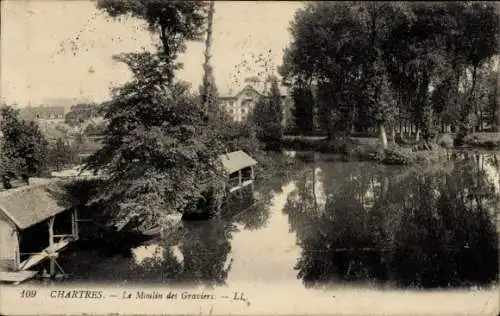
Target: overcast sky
63	49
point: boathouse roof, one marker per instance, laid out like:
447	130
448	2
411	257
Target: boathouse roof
236	160
31	204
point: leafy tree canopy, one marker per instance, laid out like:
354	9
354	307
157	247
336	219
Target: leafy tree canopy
23	146
173	21
380	61
158	151
268	115
80	113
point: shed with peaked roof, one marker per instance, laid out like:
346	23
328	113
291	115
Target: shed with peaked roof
239	167
236	160
28	206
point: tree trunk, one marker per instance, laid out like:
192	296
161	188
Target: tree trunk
385	186
208	80
480	121
314	185
496	112
463	127
417	135
382	135
393	134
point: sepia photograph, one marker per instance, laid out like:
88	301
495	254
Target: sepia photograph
249	157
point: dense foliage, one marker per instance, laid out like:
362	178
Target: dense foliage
61	154
413	66
24	149
173	22
303	110
268	115
79	113
159	150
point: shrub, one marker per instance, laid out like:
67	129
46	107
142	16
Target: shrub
445	141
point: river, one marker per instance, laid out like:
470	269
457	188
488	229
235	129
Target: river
328	223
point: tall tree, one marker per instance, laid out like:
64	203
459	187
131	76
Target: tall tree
208	91
303	110
158	151
268	117
479	44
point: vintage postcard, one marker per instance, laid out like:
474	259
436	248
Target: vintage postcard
249	158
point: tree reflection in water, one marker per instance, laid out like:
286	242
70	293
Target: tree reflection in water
421	228
199	253
204	248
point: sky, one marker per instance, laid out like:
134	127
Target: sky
62	48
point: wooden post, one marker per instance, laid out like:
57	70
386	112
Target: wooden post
51	246
17	261
74	223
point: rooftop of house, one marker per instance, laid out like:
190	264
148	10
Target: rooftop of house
31	204
237	89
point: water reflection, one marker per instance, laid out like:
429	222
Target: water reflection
197	254
327	223
422	228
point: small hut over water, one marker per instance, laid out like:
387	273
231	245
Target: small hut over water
239	168
36	222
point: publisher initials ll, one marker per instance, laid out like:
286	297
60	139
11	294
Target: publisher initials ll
239	296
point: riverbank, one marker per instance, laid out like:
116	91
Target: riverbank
369	149
483	140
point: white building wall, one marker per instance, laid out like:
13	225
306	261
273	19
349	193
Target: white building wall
9	246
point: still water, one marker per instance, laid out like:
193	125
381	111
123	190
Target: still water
324	223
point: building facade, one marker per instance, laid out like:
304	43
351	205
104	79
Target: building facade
241	104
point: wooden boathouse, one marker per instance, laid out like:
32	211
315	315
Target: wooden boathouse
37	221
239	169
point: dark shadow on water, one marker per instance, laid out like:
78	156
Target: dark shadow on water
196	254
355	223
432	228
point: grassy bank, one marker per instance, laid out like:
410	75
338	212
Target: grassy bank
483	140
364	149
